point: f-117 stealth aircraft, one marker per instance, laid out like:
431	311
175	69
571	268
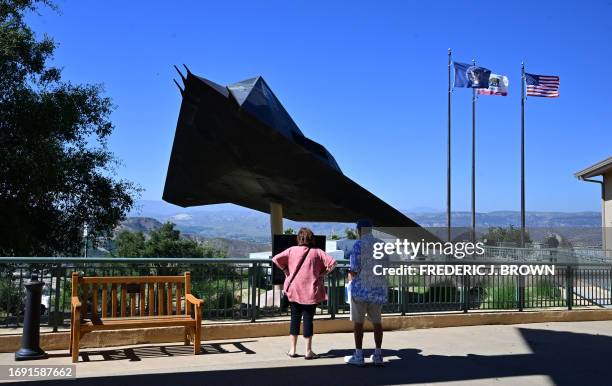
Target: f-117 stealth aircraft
237	144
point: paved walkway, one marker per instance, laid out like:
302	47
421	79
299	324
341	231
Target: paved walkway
577	353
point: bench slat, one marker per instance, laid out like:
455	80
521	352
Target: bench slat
178	298
141	300
114	300
151	299
169	299
123	323
123	299
104	300
160	298
132	304
187	291
130	279
94	301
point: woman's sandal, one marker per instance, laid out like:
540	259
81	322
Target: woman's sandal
292	355
313	356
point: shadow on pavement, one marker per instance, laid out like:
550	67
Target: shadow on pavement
567	358
136	354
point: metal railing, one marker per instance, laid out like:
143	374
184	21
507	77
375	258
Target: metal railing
242	289
549	255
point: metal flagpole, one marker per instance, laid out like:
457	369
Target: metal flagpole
522	154
448	155
473	160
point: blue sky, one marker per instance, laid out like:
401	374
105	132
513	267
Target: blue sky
364	78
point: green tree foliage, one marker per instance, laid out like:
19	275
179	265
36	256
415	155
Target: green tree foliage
130	244
510	235
56	172
289	231
163	242
351	234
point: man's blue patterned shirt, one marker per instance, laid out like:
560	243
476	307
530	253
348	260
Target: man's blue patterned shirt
366	286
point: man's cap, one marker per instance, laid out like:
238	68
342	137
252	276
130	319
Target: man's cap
364	223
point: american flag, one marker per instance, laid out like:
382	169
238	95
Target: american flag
546	86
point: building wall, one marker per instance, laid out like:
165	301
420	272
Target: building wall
607	208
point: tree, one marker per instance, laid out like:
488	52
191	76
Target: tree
130	244
510	235
163	242
56	172
167	242
350	234
289	231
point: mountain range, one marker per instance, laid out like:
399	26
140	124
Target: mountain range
231	222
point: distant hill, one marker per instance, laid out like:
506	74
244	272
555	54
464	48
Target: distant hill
230	222
505	218
237	248
233	247
139	224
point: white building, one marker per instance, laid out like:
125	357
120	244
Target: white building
603	169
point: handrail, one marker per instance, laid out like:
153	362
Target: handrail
134	260
202	260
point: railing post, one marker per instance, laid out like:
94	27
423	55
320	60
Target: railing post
466	293
333	289
521	292
569	287
401	296
254	273
57	314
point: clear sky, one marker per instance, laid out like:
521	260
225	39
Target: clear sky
368	81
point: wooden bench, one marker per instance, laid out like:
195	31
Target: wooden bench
122	302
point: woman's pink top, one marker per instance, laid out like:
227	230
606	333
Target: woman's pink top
307	287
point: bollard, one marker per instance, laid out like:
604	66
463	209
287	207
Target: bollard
30	340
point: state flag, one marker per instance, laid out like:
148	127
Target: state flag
498	85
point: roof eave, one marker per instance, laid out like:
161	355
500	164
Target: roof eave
600	168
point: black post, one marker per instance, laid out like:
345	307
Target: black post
466	294
473	161
30	340
448	155
255	291
521	292
522	154
57	316
569	287
333	289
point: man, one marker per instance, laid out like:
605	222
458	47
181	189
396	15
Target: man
368	293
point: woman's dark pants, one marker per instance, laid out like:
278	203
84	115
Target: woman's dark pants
297	310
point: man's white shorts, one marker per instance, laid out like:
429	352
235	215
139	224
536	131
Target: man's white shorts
359	310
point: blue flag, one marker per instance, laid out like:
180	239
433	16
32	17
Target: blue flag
468	75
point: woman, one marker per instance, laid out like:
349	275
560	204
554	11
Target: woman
305	266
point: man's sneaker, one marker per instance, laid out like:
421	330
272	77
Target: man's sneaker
354	360
377	360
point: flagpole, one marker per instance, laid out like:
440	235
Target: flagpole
473	160
448	155
522	154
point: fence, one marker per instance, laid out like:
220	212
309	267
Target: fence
550	255
241	289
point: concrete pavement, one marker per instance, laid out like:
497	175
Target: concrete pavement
561	353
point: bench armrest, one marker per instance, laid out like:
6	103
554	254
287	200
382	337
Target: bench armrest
193	300
76	303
